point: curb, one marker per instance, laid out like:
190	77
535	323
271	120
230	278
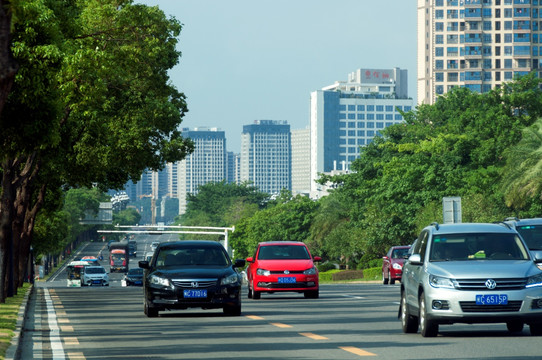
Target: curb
13	351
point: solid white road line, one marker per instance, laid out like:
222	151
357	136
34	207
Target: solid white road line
56	342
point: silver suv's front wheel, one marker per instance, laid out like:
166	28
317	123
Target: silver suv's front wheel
428	328
408	322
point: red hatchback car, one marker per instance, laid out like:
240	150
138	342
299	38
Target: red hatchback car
282	266
392	264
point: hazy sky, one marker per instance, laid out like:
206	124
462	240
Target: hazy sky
246	60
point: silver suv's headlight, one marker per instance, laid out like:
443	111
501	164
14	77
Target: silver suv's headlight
228	280
441	282
311	271
263	272
534	281
156	280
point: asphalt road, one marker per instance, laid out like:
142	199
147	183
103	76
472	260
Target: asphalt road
348	321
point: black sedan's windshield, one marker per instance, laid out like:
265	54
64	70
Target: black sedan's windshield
168	257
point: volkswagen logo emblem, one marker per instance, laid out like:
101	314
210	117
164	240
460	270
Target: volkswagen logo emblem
491	284
194	284
286	272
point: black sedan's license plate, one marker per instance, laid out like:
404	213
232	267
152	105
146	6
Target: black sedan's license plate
287	280
497	299
194	294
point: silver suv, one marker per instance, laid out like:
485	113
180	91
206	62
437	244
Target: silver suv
471	273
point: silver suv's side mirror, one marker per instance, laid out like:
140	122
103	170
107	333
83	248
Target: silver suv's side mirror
415	259
537	256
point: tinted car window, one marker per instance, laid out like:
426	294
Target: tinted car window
191	257
278	252
477	246
399	253
94	270
532	234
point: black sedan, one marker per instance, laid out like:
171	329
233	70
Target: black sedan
134	277
186	274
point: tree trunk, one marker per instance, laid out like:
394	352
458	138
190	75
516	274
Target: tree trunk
6	220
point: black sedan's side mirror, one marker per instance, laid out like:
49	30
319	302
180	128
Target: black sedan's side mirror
239	263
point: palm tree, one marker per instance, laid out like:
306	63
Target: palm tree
522	176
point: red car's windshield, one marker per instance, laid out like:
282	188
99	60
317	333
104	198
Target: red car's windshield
283	252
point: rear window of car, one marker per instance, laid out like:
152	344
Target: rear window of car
283	252
193	256
95	270
476	246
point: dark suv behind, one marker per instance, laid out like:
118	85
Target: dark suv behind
186	274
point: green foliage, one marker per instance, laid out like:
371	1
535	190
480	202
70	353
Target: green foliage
374	273
128	216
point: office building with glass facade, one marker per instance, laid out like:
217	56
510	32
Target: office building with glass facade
266	155
349	114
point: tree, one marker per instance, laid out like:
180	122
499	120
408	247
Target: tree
128	216
91	104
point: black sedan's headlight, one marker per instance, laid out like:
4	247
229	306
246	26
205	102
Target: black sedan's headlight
230	280
160	281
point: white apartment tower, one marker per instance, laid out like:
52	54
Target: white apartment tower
206	164
477	44
301	161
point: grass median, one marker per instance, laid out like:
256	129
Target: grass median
8	318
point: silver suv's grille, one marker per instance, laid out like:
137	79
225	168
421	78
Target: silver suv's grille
502	284
470	306
194	283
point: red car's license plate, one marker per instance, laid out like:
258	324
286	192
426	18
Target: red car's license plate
287	280
194	294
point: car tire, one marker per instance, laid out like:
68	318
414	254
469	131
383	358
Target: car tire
312	294
390	280
408	322
536	329
514	326
384	278
256	295
232	310
428	328
150	311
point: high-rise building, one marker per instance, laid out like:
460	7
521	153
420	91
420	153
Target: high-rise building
233	168
266	155
477	44
301	161
349	114
206	164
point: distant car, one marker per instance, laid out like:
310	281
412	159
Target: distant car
282	266
392	264
154	245
471	273
92	260
190	273
132	248
148	256
95	276
529	229
134	277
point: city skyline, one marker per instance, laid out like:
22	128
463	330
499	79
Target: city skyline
244	60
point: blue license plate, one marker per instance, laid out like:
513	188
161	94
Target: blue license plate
497	299
97	281
287	280
138	282
194	294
